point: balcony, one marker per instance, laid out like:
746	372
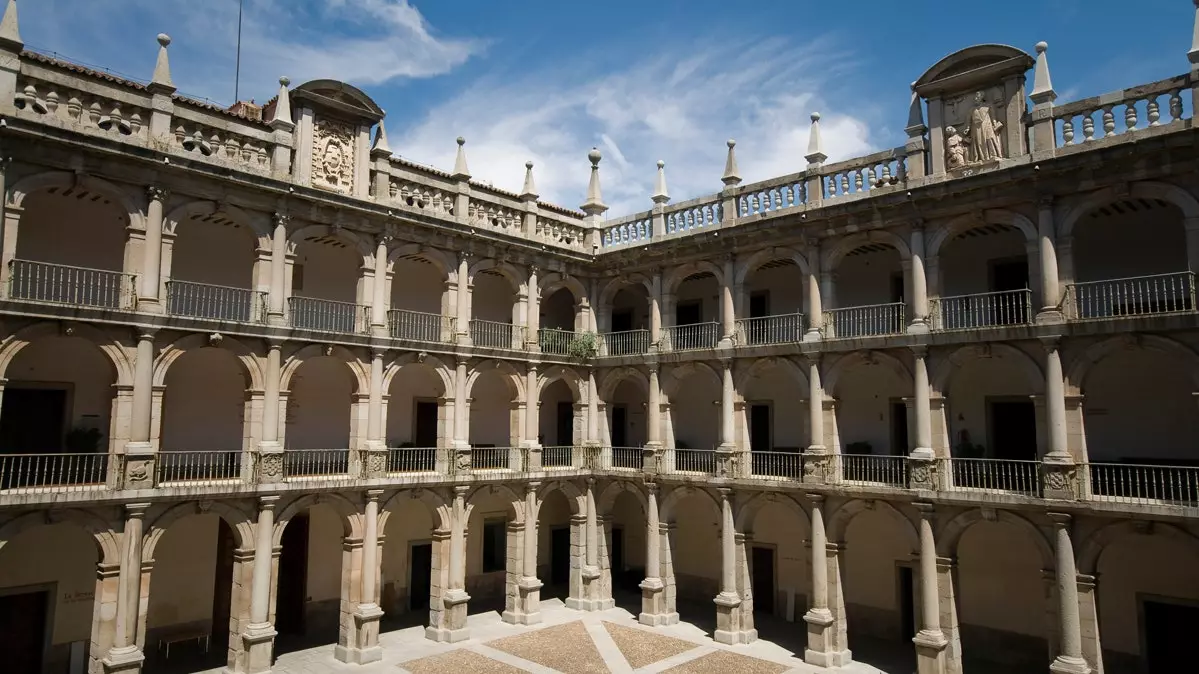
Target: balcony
1134	296
405	460
995	476
62	284
982	310
874	320
626	458
783	329
222	303
1143	484
624	343
561	457
776	465
496	335
24	473
496	459
316	463
420	327
555	342
308	313
200	466
691	337
688	462
873	469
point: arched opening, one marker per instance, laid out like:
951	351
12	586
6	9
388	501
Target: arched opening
203	417
319	403
71	248
494	418
419	301
773	303
626	531
48	594
554	547
694	417
770	425
871	415
985	279
1130	258
493	311
868	294
991	414
326	285
1148	595
628	323
407	564
213	262
878	583
1002	597
58	401
416	418
191	603
561	420
695	313
694	558
558	321
493	550
628	417
309	599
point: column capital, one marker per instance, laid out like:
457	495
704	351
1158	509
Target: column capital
926	509
531	488
651	487
462	361
157	193
1044	201
919	350
1061	520
590	482
1051	342
460	490
726	493
281	219
373	494
136	510
384	239
267	502
815	498
378	351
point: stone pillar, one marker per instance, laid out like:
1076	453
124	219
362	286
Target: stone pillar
277	300
826	628
1070	659
8	252
151	273
655	309
359	635
1051	293
259	636
918	304
452	626
532	418
1057	465
594	596
125	656
528	600
930	641
140	453
461	428
744	546
374	461
1092	650
923	465
379	295
533	313
653	608
593	413
463	306
728	602
728	324
270	451
815	306
728	430
816	459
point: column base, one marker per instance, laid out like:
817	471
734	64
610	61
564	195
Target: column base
149	305
365	632
728	621
822	649
1063	664
258	642
918	327
357	656
447	636
734	637
579	604
124	659
813	335
1050	316
930	652
528	603
658	619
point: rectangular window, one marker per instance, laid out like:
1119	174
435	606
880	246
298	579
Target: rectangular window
495	542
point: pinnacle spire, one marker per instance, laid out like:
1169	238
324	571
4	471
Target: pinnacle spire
595	203
915	127
162	67
529	191
660	194
1192	55
460	168
732	176
816	153
10	32
380	146
282	115
1042	85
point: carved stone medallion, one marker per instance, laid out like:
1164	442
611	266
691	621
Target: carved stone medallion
333	154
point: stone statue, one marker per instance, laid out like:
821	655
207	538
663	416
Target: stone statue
983	132
956	148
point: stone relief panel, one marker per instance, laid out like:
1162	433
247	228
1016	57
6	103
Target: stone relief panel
333	150
974	128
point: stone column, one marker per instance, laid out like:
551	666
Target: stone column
463	318
1051	293
359	637
8	251
139	451
259	637
528	604
728	324
930	641
593	414
826	630
1069	659
728	431
461	428
533	312
125	656
1057	465
379	298
1089	625
532	418
728	601
922	405
655	308
277	312
593	595
816	458
452	627
374	463
151	273
270	451
653	608
918	305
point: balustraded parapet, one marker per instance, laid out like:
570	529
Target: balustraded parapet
772	195
1138	109
694	215
627	231
863	175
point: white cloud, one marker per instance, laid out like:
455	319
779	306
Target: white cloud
679	104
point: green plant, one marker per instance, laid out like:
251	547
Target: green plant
83	440
584	346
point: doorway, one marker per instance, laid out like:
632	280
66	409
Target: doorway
759	427
420	575
620	423
23	633
689	313
33	420
1166	632
560	556
762	579
1013	430
564	424
759	304
292	593
424	421
1009	274
622	320
907	603
899	428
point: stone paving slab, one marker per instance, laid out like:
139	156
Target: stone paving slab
721	662
642	648
459	662
565	648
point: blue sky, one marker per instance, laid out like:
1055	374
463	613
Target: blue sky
548	79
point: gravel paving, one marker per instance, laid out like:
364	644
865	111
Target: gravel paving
458	662
567	648
642	648
722	662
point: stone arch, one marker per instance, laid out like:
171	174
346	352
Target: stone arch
761	365
361	376
363	247
107	540
444	373
951	533
995	216
567	375
756	260
1081	366
945	368
116	353
607	387
1092	548
351	520
435	257
239	521
514	276
515	381
838	368
680	274
437	504
1068	216
248	360
679	493
606	500
574	496
832	257
516	503
551	283
608	292
839	522
678	373
748	511
72	181
259	227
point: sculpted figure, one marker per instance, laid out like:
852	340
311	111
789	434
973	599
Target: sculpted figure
984	131
956	148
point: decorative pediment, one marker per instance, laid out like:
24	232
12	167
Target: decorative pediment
972	68
344	99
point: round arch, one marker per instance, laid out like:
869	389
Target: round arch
574	497
516	504
359	244
115	353
239	521
608	495
762	365
951	534
679	493
946	367
434	501
680	274
608	292
259	227
1080	367
839	522
756	260
996	216
361	376
72	181
509	374
569	376
1069	215
832	257
551	283
433	363
511	273
435	257
607	386
351	520
103	532
749	510
838	368
247	359
1092	548
675	375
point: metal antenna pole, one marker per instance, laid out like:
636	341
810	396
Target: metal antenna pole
237	71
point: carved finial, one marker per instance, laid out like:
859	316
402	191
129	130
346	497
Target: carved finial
282	117
215	339
161	82
595	203
816	155
380	146
660	194
10	32
732	176
1042	86
461	172
915	127
529	191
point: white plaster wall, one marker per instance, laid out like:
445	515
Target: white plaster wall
970	386
183	580
412	382
204	402
864	394
492	298
628	514
72	231
325	532
965	263
551	396
416	285
789	412
780	527
634	400
410	522
56	553
785	285
318	408
1131	244
1123	422
219	254
491	410
1135	566
875	545
707	291
999	580
865	279
331	271
694	417
80	365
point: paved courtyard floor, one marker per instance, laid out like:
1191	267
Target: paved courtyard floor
570	642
